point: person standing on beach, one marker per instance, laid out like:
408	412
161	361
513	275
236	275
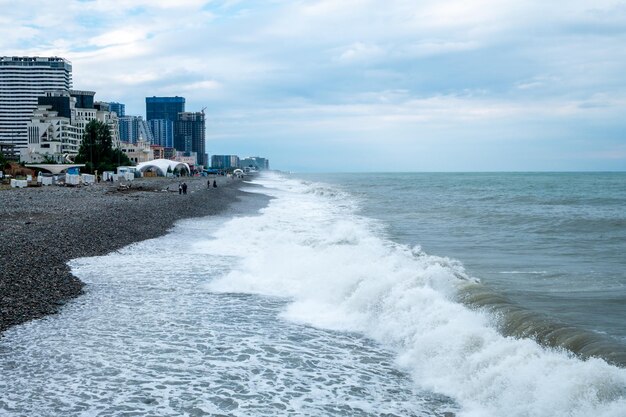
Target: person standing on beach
208	183
180	188
214	184
184	188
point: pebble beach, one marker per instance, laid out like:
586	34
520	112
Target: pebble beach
42	228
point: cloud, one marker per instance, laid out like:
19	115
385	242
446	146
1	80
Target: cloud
348	71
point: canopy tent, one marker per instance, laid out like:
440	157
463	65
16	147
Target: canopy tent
162	165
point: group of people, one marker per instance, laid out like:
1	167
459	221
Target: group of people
182	186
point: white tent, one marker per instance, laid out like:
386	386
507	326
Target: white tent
162	165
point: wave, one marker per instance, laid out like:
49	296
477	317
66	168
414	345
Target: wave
514	320
339	272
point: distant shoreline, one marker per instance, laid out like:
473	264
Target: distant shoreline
41	229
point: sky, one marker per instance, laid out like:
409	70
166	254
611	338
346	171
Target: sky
358	85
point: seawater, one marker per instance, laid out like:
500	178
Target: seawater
346	295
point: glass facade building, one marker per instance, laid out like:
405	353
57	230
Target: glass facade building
118	108
166	108
134	128
224	161
163	132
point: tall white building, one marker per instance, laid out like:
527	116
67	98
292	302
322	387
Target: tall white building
55	130
22	80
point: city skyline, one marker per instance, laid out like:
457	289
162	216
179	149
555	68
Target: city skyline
347	86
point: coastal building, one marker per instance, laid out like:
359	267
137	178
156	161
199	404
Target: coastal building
162	132
134	129
55	129
158	152
190	135
118	108
51	137
166	108
224	161
22	81
255	162
138	152
86	110
169	153
162	117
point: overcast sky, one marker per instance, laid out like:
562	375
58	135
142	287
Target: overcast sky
358	85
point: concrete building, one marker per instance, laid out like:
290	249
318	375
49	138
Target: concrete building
158	152
51	137
86	110
190	135
22	81
134	129
138	152
55	130
169	153
224	161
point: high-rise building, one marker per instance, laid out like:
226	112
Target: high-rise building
118	108
190	134
166	108
134	129
22	81
163	132
224	161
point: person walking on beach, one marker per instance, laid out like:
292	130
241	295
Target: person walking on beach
214	184
180	188
184	188
208	183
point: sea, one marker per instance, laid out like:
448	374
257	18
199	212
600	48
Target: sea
400	294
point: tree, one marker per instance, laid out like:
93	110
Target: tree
3	161
96	150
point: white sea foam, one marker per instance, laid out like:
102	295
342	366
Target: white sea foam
339	272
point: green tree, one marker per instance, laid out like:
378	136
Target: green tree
3	161
96	150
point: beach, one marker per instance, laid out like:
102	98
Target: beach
42	228
327	294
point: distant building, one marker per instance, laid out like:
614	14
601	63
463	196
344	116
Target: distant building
162	132
190	135
224	161
169	153
255	162
118	108
86	110
158	152
55	130
166	108
51	137
84	99
134	129
22	81
189	158
138	152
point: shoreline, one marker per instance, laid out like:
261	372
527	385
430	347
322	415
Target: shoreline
43	228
